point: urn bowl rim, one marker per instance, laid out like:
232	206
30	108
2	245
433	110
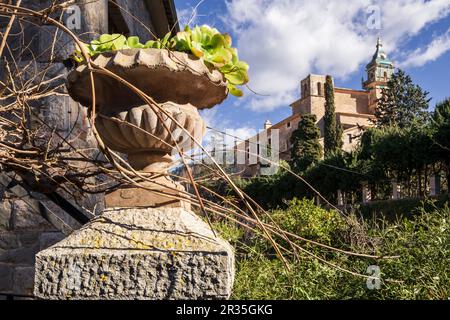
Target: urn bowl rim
162	74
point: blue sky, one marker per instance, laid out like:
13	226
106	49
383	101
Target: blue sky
285	40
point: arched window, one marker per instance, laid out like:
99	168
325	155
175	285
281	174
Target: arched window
385	75
305	89
319	88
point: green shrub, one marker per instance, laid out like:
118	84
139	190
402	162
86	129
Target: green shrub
304	218
421	272
424	264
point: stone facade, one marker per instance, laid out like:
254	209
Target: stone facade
30	222
23	233
354	110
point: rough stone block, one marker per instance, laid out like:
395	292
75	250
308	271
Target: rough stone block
48	239
54	44
6	278
8	240
19	255
165	253
5	215
23	280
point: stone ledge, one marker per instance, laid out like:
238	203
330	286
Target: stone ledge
165	253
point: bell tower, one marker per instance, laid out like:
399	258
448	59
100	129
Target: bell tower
379	71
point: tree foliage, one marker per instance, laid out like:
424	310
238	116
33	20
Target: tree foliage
332	130
402	102
306	149
441	136
408	155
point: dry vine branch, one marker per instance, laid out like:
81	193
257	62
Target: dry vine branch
27	154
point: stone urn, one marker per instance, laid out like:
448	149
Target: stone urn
180	83
146	244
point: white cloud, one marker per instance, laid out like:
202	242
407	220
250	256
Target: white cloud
210	117
238	135
433	51
184	16
190	15
223	129
284	40
266	103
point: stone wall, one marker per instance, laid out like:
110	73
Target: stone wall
29	223
23	229
352	110
351	101
143	28
23	233
285	129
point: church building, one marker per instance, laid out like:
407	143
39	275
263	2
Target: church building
354	110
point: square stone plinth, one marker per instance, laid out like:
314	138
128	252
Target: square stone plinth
165	253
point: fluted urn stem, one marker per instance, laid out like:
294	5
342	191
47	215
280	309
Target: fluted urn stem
150	161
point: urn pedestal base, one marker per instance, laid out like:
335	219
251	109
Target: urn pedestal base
166	253
163	192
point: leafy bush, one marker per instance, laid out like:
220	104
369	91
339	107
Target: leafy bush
204	42
305	219
421	272
325	177
424	264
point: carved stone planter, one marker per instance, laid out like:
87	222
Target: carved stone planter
145	245
180	82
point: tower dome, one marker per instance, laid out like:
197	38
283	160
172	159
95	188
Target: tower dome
379	71
380	57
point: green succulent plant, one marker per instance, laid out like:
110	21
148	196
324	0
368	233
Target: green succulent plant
109	42
204	42
216	50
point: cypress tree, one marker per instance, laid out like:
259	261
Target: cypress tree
306	149
332	130
339	133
